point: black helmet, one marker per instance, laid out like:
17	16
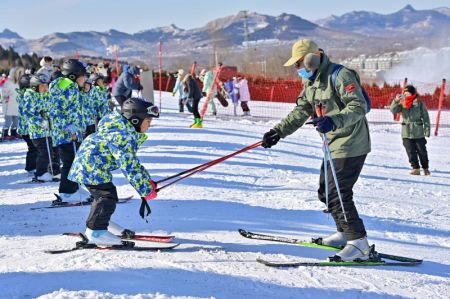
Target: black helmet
94	77
24	81
56	75
136	110
73	68
37	79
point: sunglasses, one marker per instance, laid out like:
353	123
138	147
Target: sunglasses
298	63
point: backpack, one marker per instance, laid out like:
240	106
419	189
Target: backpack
337	68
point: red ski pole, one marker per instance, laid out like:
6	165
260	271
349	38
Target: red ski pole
189	172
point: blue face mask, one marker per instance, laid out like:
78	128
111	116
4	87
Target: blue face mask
303	73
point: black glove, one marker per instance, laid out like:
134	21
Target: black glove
270	139
324	124
204	94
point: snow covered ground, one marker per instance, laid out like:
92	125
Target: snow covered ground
268	191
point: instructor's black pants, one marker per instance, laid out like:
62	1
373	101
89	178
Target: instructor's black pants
347	172
67	155
416	148
103	206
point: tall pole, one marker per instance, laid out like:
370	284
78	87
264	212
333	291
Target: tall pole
245	29
194	66
441	101
117	61
160	74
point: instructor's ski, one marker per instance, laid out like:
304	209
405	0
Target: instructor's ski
148	238
257	236
282	264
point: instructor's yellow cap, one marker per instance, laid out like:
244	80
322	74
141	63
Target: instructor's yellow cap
300	49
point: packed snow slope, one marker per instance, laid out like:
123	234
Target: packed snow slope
268	191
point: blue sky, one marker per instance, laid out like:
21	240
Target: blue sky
32	19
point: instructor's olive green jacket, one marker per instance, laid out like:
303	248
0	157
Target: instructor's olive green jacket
351	137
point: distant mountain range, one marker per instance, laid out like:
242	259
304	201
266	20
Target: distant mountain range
347	35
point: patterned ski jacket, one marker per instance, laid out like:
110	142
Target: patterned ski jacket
113	146
101	102
88	108
22	127
34	108
65	111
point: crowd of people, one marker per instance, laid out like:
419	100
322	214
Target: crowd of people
73	135
189	93
53	109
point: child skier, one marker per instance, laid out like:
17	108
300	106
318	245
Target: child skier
35	112
22	127
89	96
101	105
113	146
68	124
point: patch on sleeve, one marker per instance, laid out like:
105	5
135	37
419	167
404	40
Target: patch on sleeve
351	87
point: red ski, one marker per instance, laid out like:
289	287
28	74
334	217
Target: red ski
149	238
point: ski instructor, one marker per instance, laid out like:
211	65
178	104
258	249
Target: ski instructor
348	137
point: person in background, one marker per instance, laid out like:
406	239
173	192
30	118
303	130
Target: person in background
10	105
206	77
194	94
23	126
46	66
178	88
415	127
126	83
244	94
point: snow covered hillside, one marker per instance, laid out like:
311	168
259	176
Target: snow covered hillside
268	191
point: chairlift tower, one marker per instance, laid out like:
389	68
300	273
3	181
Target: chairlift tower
245	29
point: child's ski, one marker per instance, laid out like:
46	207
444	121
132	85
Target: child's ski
79	204
126	246
149	238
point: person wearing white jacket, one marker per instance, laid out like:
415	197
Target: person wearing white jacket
244	94
10	106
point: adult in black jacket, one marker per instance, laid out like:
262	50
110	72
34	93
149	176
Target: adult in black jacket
194	93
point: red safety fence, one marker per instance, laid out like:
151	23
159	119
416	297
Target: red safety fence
274	97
